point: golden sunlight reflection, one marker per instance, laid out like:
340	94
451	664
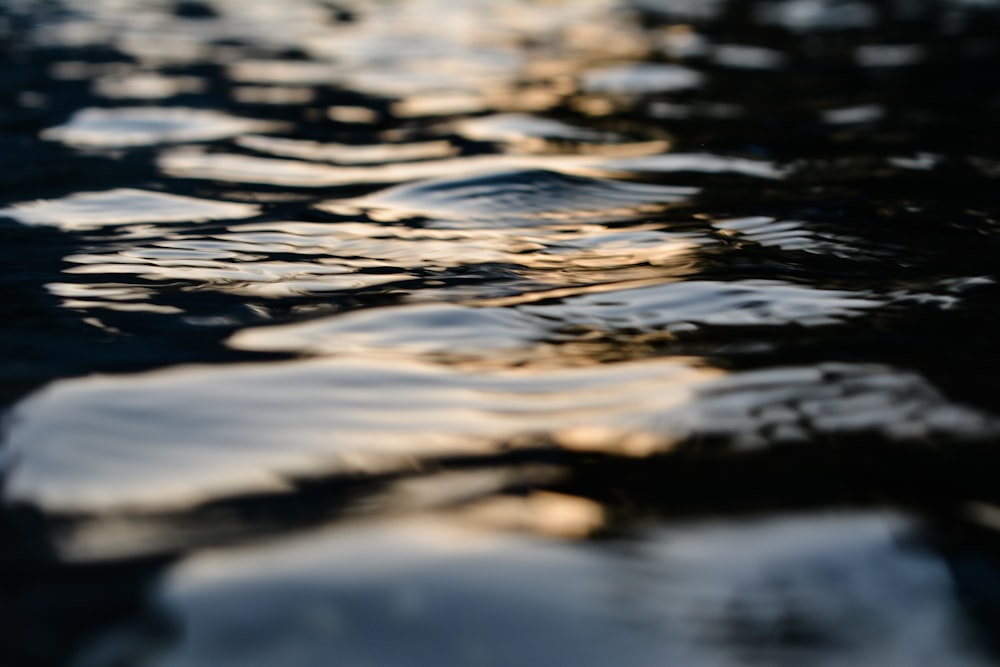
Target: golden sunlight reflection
402	162
342	113
541	513
119	297
441	104
609	440
348	154
234	167
272	259
467	496
498	198
141	85
254	428
283	72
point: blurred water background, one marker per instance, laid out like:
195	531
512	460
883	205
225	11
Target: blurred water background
493	333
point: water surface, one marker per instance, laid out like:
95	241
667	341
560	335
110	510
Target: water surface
639	332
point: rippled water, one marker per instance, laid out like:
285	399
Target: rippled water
444	332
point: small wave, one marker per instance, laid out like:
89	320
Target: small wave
504	196
172	439
124	206
148	126
176	438
807	589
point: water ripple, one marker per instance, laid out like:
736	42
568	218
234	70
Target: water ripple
347	154
499	197
712	592
256	428
564	316
147	126
286	257
124	206
511	293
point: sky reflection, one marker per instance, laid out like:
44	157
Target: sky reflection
810	589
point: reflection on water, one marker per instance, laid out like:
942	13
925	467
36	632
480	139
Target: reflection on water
774	591
141	126
503	197
638	79
593	332
208	432
347	153
124	206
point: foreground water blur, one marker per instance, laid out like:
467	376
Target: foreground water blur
522	332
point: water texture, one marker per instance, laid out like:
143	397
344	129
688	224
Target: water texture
445	332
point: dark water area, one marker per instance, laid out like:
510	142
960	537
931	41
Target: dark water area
526	332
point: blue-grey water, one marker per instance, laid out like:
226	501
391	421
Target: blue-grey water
526	333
